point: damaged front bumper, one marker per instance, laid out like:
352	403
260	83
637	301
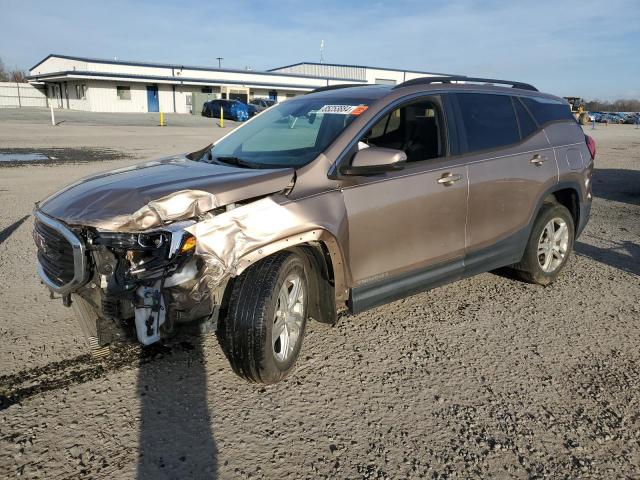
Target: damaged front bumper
126	284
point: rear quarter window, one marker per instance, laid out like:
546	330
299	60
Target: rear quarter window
546	110
489	120
527	125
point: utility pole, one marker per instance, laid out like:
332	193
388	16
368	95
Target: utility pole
220	61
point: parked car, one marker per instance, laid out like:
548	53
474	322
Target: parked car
632	118
613	117
262	103
608	118
335	201
232	109
252	109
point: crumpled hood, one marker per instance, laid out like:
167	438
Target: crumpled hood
150	194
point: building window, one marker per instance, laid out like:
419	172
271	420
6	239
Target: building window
124	93
206	90
81	92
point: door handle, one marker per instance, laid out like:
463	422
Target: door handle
447	179
537	160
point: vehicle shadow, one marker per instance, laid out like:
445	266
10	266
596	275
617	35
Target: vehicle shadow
623	255
6	232
176	440
617	184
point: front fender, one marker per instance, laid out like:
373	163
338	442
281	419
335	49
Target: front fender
232	241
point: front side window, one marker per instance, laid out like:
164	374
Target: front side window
290	134
489	120
415	128
124	93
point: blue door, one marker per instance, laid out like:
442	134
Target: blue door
152	98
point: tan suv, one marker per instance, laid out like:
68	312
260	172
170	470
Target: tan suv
338	200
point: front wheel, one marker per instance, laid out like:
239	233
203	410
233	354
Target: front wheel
263	330
549	246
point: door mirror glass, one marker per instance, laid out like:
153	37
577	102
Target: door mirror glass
375	161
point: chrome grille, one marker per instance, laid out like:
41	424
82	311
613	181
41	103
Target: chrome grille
55	254
61	255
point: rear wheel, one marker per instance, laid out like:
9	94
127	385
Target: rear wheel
549	246
263	331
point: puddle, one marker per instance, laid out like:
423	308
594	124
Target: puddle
13	157
24	157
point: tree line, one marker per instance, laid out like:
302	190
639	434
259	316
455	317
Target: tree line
15	75
620	105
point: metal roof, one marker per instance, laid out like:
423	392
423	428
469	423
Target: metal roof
171	80
175	66
357	66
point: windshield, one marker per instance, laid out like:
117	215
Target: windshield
290	134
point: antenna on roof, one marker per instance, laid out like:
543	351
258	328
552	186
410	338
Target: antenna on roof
321	51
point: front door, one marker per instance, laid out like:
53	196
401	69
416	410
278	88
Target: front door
407	228
153	102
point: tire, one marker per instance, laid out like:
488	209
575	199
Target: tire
247	333
535	266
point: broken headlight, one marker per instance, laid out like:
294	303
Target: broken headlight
147	255
133	241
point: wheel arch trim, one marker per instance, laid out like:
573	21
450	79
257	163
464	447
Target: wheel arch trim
555	188
316	235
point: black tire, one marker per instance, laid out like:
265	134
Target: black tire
529	268
246	332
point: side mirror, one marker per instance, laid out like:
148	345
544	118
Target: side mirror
375	161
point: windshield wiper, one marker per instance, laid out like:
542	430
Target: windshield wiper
238	162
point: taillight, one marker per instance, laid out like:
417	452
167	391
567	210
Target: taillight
591	145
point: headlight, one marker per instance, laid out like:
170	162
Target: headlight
152	240
132	241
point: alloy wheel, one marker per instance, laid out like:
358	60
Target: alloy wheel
289	318
553	244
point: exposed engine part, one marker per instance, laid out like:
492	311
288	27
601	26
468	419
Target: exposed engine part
150	313
111	307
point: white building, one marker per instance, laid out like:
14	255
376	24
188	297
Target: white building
122	86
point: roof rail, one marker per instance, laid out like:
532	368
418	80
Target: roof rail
335	87
461	78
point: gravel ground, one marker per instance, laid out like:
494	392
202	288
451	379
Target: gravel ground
487	377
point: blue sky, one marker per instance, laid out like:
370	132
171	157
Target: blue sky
585	48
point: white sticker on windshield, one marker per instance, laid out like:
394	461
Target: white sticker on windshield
338	109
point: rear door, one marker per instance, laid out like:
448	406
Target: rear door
510	164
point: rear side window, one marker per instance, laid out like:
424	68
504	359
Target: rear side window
489	120
527	125
545	110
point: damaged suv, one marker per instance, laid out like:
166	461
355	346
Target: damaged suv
338	200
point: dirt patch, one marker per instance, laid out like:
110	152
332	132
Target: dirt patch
485	378
81	369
